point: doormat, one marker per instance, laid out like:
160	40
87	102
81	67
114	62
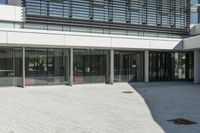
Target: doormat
181	121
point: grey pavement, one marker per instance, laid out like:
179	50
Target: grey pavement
98	108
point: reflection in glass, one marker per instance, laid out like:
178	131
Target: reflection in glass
128	66
6	67
3	2
167	66
91	66
47	66
17	60
10	66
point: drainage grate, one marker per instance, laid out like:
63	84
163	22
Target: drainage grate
127	92
182	121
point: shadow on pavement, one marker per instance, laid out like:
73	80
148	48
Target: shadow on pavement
172	100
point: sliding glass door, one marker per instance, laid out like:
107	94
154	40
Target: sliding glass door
180	66
128	66
6	67
160	66
57	66
47	66
10	67
91	66
169	66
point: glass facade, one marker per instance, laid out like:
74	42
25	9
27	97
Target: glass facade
10	67
91	66
95	30
130	15
107	31
128	66
194	11
51	66
3	1
46	66
167	66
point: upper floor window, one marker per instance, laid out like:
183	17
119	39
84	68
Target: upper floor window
116	14
194	12
3	1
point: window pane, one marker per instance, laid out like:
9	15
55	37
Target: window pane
91	66
10	67
3	1
128	66
47	66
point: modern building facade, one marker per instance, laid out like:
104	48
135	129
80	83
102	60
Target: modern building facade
195	11
65	42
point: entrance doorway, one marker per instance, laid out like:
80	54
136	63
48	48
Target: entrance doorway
46	66
91	66
10	67
128	66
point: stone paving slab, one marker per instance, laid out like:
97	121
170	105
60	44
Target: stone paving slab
172	100
96	108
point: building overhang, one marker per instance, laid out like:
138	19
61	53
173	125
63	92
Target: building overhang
192	43
44	38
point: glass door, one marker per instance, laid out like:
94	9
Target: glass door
91	66
66	63
55	67
180	66
6	67
170	66
98	68
128	66
87	67
189	66
41	67
47	66
133	68
125	64
10	67
36	66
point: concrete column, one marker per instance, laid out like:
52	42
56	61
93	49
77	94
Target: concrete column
23	67
196	66
111	66
71	67
146	66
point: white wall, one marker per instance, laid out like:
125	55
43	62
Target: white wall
191	43
3	37
31	39
195	29
37	38
11	13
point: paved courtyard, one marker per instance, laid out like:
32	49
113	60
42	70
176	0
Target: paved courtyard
171	100
99	108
